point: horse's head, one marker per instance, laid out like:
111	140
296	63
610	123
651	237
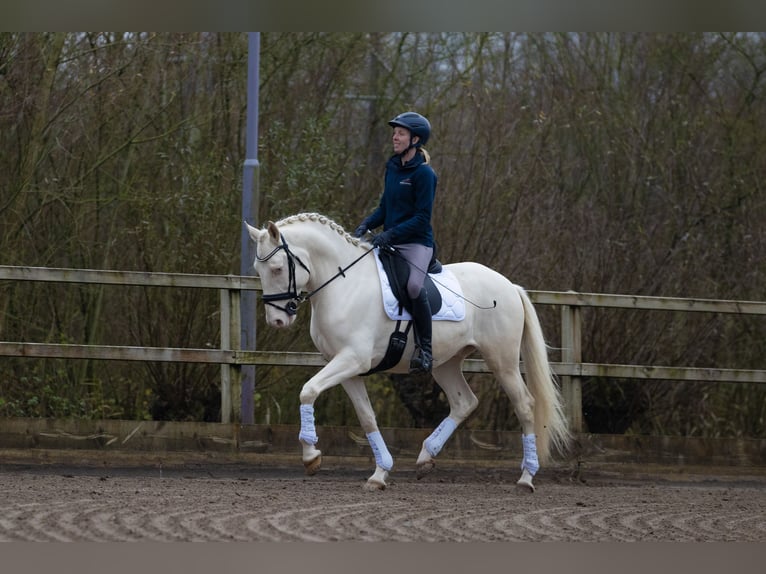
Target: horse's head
282	271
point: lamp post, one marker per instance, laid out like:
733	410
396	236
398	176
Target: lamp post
250	200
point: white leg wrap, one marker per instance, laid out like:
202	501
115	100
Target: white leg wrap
441	434
530	461
383	458
308	432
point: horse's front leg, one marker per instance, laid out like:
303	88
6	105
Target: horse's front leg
340	368
311	456
384	462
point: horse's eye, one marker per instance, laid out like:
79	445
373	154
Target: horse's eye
276	271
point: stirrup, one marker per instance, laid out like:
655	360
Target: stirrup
421	362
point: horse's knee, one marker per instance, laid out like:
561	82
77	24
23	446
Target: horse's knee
308	395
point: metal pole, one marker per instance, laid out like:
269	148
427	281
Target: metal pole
250	200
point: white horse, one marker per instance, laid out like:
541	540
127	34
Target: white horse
310	257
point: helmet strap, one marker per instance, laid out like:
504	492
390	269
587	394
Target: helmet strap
409	147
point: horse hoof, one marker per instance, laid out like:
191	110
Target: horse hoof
313	466
525	485
374	485
425	468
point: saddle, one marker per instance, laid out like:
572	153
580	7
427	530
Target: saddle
398	271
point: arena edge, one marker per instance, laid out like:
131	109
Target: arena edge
110	442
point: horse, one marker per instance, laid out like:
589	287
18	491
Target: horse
310	257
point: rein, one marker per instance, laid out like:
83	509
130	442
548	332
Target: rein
292	296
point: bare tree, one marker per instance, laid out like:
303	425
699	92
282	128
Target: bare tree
604	162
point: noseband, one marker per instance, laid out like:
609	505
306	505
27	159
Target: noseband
292	296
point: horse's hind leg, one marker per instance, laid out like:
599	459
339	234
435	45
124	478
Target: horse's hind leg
524	407
462	402
357	392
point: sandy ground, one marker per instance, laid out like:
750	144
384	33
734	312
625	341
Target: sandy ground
242	502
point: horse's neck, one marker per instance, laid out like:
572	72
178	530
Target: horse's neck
329	252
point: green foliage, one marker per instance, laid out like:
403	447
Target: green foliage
51	396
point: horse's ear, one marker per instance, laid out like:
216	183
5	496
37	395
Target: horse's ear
253	232
273	231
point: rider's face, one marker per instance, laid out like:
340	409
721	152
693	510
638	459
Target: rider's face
401	139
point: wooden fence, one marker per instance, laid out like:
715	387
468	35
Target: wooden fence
231	357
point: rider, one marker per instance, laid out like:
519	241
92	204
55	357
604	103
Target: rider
405	211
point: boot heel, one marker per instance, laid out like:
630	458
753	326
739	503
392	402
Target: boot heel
420	363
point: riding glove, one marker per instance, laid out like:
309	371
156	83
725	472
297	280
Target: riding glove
361	230
382	239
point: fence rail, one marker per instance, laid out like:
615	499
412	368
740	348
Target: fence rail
231	357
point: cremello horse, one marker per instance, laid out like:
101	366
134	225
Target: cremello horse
310	257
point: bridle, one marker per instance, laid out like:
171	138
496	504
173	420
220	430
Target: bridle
292	296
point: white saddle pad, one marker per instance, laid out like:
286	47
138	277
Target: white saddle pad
453	304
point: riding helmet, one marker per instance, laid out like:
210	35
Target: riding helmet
417	124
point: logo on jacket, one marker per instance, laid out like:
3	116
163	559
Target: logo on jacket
407	181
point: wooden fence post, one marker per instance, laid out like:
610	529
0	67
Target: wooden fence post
236	342
571	352
225	345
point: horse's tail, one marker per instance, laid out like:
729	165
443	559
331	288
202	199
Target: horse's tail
551	426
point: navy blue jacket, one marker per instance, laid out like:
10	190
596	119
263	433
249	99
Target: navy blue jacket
407	202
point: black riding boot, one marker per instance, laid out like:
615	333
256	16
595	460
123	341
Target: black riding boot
421	315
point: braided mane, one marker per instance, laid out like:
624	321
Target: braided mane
319	218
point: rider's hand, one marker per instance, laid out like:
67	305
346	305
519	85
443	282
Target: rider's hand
382	239
361	230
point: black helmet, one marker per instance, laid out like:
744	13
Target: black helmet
417	124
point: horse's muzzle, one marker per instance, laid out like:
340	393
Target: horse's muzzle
279	320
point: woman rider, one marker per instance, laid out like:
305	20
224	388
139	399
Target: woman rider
405	211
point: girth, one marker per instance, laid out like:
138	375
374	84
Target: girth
396	344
